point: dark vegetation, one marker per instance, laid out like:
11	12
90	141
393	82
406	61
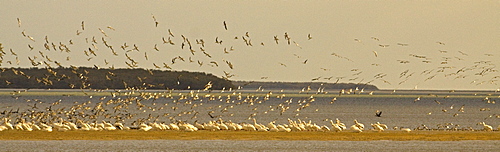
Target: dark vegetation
301	85
94	78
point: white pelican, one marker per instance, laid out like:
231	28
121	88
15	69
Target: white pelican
355	128
108	126
46	127
199	126
2	128
382	125
144	127
335	127
359	125
377	127
486	127
7	124
282	128
272	127
174	126
325	128
405	129
249	127
340	124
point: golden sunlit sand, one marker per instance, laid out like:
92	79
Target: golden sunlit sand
245	135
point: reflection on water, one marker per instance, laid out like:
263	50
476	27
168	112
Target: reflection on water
223	145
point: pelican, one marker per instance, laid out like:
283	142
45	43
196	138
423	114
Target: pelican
46	127
405	129
377	127
144	127
335	127
2	128
340	124
7	124
356	129
486	127
282	128
359	125
108	126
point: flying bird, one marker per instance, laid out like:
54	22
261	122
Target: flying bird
376	54
378	113
170	33
111	28
19	22
225	26
154	19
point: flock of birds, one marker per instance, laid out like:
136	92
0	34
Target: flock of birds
215	125
113	112
153	111
100	50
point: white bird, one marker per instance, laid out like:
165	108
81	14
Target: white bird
7	124
356	129
405	129
108	126
2	128
359	125
325	128
377	127
340	124
335	127
486	127
46	127
144	127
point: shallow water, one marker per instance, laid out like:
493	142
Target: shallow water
397	111
268	145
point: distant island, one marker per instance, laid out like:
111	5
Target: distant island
301	85
98	78
95	78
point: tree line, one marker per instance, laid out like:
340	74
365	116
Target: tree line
96	78
302	85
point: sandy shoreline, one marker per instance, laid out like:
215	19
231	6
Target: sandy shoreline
244	135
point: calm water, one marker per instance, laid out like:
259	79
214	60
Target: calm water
400	112
397	111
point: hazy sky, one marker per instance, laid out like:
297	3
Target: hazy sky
393	44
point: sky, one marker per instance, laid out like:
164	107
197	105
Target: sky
392	44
